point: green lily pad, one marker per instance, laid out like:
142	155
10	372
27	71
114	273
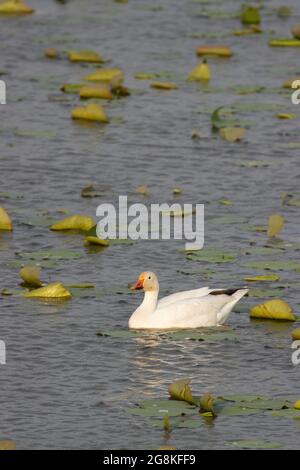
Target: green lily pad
273	265
56	254
157	407
256	444
210	255
207	334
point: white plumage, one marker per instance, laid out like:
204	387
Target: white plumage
188	309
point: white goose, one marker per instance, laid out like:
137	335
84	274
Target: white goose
189	309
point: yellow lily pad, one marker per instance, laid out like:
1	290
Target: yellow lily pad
84	56
286	116
5	220
97	91
289	82
91	240
206	404
250	15
164	85
180	390
267	277
55	290
284	42
275	225
51	53
31	276
7	445
232	134
296	334
201	72
144	190
91	112
273	310
75	222
297	405
220	51
15	7
105	75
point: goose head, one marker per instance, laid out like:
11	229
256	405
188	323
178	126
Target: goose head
147	282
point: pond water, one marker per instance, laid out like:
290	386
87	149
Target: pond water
63	386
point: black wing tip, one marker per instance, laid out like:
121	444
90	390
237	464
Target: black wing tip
227	291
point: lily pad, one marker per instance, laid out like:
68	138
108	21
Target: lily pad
210	255
256	444
157	408
55	254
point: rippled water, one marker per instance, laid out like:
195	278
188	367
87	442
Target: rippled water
64	387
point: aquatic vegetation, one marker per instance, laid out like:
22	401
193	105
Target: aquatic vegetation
7	445
219	51
250	15
98	91
85	56
296	334
275	225
232	134
31	276
15	7
91	112
55	290
273	310
284	42
201	72
105	75
5	220
75	222
164	85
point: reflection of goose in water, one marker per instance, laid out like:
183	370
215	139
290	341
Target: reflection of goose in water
189	309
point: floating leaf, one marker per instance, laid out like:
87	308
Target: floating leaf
51	53
96	241
250	15
31	276
164	85
273	265
7	445
256	444
91	112
275	225
180	390
84	56
286	116
201	72
166	423
296	334
5	220
71	88
105	75
273	310
206	404
211	255
297	405
89	191
96	91
263	278
159	408
75	222
57	254
283	42
220	51
232	134
289	82
15	7
54	290
142	190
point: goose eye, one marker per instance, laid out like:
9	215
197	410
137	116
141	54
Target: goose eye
149	277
